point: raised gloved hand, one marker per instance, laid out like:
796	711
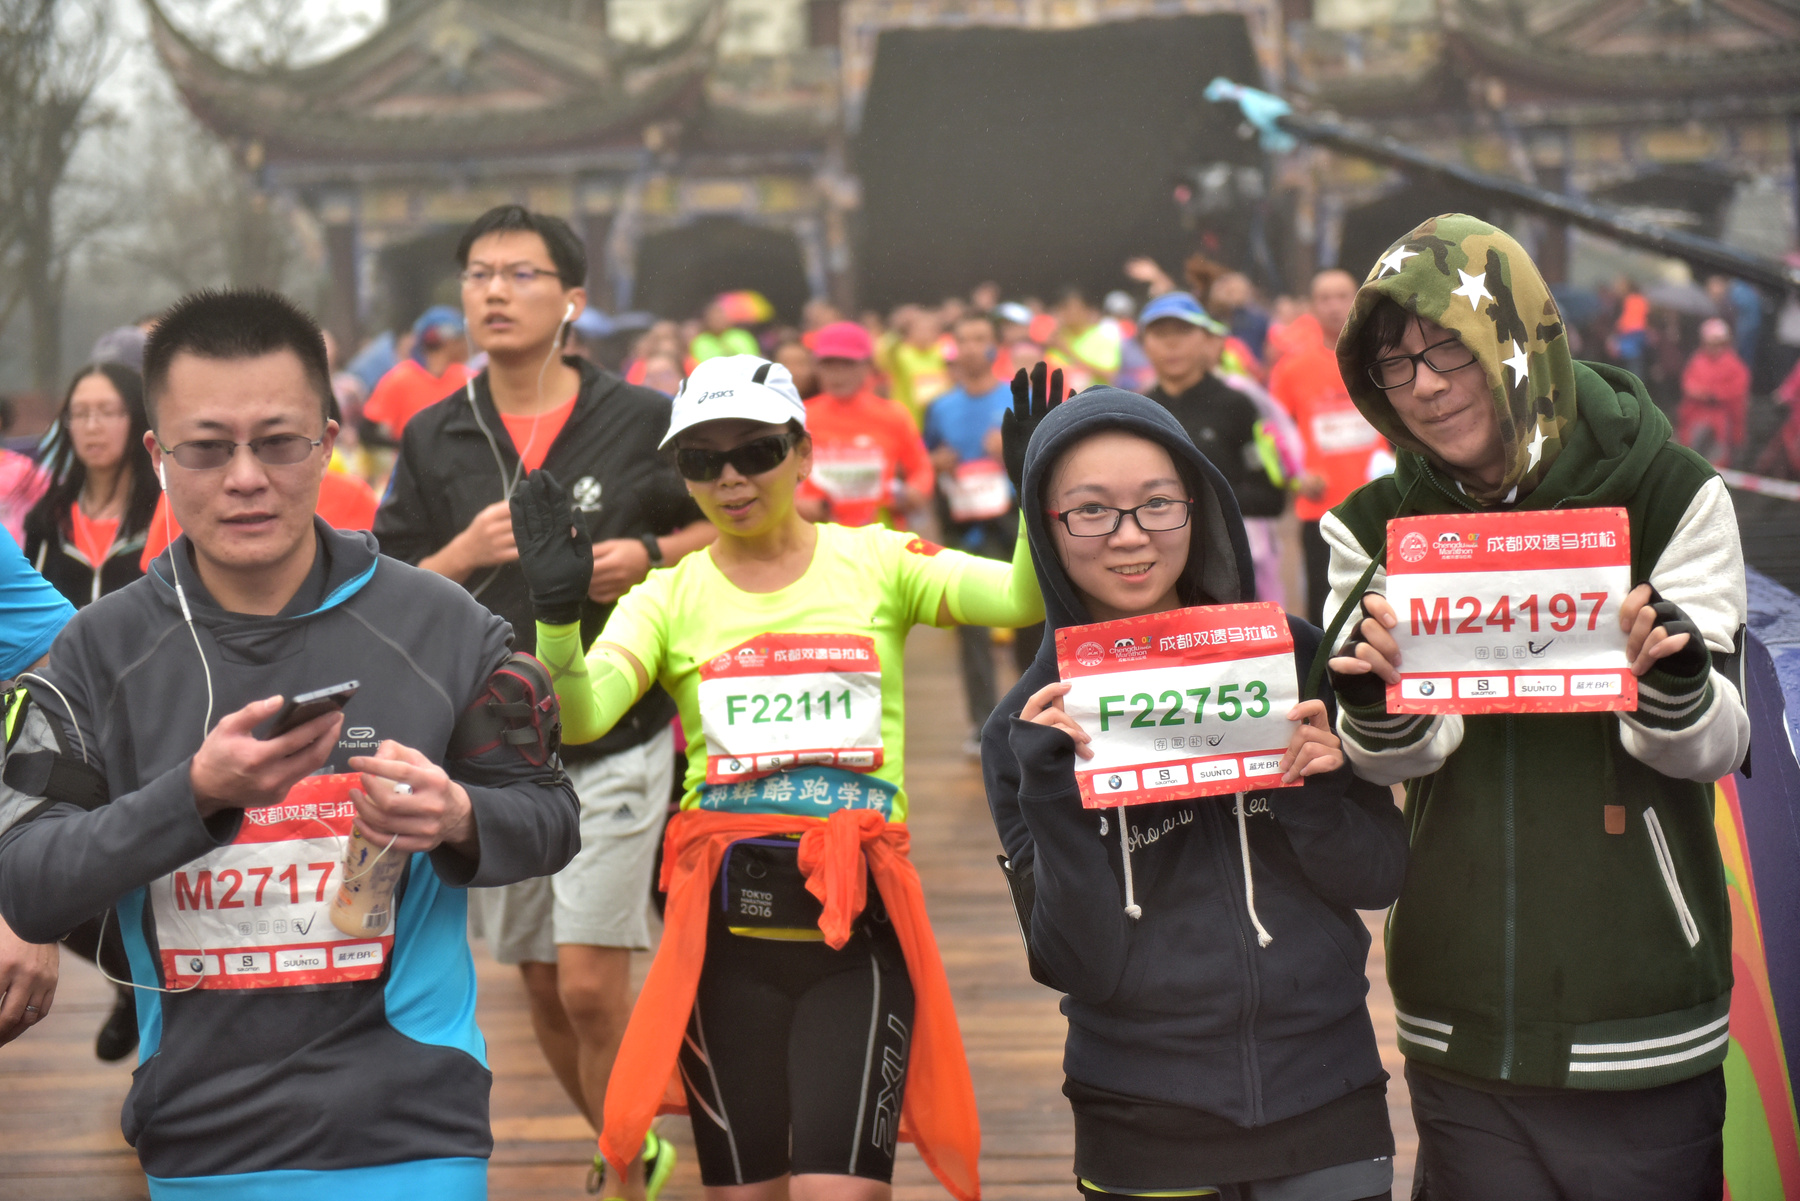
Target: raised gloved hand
555	551
1032	401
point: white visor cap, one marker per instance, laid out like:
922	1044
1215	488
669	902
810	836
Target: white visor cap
736	386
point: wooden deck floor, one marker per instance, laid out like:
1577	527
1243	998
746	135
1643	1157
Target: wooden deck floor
59	1106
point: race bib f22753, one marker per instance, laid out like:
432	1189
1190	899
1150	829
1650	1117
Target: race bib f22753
1181	704
791	700
256	913
1510	612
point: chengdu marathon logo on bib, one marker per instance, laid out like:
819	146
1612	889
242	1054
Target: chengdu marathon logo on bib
1451	545
1129	649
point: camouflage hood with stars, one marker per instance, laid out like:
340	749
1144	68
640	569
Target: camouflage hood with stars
1478	283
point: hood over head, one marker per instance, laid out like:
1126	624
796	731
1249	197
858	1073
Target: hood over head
1477	282
1218	571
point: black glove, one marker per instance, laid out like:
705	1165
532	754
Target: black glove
1691	659
555	551
1031	402
1365	689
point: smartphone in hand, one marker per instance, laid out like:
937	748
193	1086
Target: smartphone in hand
298	710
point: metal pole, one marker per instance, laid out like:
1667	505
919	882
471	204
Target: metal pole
1702	252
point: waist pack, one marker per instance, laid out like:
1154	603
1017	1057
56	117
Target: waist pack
762	889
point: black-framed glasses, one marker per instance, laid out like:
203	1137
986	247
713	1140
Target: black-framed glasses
519	277
1158	515
1396	371
276	450
752	458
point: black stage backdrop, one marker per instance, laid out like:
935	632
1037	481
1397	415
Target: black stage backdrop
1038	158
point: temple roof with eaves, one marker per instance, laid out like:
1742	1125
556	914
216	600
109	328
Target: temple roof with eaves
1622	49
453	79
1560	53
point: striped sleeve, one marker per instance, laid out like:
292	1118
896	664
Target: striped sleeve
1383	748
1696	727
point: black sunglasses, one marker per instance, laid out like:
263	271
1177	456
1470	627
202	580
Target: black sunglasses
752	458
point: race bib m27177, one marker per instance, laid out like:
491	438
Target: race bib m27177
1188	703
1510	612
256	913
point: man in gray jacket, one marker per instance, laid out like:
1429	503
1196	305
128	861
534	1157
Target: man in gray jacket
273	1041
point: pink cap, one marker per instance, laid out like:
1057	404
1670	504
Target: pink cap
841	340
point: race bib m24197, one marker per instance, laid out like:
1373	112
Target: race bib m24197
1510	612
1189	703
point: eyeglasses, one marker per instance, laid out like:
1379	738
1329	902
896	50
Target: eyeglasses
98	416
519	277
1157	515
276	450
1396	371
752	458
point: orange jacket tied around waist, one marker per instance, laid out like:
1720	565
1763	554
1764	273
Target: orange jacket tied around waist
938	1115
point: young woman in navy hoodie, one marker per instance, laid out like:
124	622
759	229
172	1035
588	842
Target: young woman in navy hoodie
1200	1061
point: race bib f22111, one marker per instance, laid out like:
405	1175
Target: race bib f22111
1188	703
1510	612
781	701
256	913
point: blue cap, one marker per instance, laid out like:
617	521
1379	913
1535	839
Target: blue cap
439	316
1182	307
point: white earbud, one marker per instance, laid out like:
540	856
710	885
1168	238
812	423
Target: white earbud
569	313
162	476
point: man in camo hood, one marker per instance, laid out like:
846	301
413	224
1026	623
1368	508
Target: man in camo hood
1560	955
1476	282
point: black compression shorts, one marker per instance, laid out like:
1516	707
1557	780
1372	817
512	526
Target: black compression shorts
793	1040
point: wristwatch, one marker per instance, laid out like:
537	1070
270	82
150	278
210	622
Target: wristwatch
654	547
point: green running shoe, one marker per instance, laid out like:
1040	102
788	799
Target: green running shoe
659	1164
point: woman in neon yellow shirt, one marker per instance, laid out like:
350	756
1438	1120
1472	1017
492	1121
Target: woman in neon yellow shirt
783	646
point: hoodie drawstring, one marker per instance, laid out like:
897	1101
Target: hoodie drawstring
1263	937
1132	909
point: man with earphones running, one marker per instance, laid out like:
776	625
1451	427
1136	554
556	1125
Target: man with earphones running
281	1055
446	510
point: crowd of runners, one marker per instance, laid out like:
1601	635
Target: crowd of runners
313	682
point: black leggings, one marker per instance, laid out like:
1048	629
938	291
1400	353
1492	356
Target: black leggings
795	1045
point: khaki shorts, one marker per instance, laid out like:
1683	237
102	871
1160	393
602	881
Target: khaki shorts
602	898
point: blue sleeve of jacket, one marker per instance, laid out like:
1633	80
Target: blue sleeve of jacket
32	611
